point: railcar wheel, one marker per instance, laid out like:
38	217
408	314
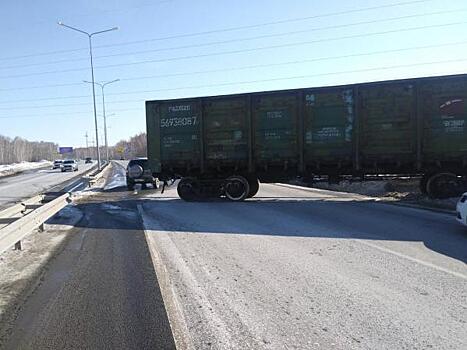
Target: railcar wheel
187	189
236	188
444	185
254	186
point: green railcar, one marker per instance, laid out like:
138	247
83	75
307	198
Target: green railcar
224	145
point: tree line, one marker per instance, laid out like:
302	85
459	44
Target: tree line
18	150
134	147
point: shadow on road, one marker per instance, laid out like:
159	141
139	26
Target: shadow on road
112	279
325	217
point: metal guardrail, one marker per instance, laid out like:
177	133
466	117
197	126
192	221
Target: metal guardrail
13	233
97	175
19	220
19	209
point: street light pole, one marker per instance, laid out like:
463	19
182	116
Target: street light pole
90	35
103	85
105	125
94	105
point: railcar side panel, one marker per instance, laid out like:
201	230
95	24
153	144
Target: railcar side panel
226	131
329	127
443	105
180	134
387	113
275	119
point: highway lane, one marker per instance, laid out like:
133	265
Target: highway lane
309	269
288	269
29	183
101	291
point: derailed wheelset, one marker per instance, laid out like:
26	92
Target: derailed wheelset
235	188
443	184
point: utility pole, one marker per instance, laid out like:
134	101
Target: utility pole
90	35
87	144
103	85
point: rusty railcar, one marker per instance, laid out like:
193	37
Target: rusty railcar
224	145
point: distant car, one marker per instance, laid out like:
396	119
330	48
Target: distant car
88	160
137	172
461	210
69	165
57	164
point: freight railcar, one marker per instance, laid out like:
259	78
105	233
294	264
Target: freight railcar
224	145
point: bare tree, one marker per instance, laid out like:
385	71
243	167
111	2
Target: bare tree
19	150
135	146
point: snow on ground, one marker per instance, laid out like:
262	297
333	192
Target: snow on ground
117	180
395	190
10	169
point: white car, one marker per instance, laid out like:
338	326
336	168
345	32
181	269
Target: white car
57	164
69	165
461	210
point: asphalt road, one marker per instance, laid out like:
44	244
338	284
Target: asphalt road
288	269
101	291
32	182
309	269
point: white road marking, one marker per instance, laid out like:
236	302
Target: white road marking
172	303
75	187
415	260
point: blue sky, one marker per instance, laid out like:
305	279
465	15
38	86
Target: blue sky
181	48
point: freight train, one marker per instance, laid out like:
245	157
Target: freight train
226	145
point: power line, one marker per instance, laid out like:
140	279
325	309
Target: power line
259	81
40	86
282	45
231	41
242	50
47	99
292	62
286	34
61	105
325	58
252	26
306	76
229	29
61	114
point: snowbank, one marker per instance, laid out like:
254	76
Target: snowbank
10	169
395	190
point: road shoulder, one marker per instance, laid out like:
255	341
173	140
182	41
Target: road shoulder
22	271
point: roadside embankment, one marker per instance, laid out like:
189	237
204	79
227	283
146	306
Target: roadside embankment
11	169
397	191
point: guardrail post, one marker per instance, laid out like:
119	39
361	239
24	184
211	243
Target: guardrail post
23	211
18	246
